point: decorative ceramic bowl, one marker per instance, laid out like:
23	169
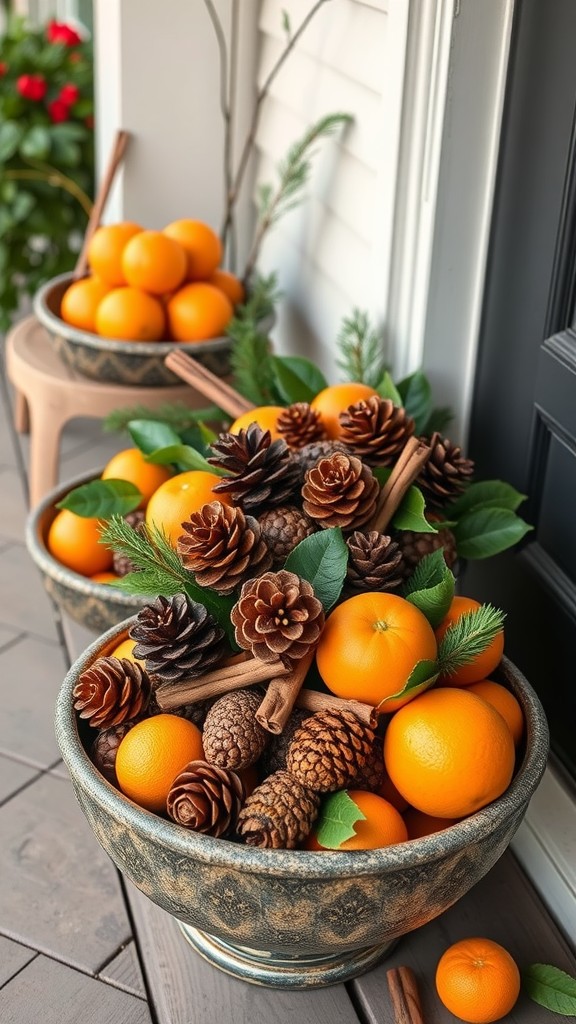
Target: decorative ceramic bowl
291	918
115	360
97	606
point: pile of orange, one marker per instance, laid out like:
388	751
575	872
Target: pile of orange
154	285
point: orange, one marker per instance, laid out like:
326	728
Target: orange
153	262
198	311
202	245
80	302
335	399
131	465
390	793
104	577
369	646
504	702
106	248
449	752
126	650
74	541
382	825
175	501
478	980
483	664
131	315
229	284
157	751
420	824
266	416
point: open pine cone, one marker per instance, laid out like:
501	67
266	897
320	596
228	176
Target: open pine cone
278	616
259	472
111	691
176	637
340	491
376	430
447	472
223	547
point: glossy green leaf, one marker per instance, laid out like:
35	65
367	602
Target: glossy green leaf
416	395
10	135
485	532
336	820
150	435
486	494
183	456
321	559
431	587
423	675
410	513
387	389
550	987
297	379
101	499
36	143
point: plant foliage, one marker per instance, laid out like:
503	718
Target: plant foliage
361	349
468	636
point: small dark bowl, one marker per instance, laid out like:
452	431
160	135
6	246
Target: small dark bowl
294	918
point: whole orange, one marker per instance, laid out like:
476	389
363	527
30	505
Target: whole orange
202	245
80	302
153	262
504	702
266	416
125	649
197	312
158	749
74	541
335	399
449	752
370	645
131	465
229	284
483	664
382	824
131	315
420	824
175	500
104	577
388	790
106	248
478	980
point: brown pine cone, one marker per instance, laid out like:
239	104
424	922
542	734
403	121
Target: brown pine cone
121	564
176	637
274	757
329	750
279	813
232	737
111	691
340	491
300	425
283	528
376	430
105	747
374	563
372	774
307	457
415	546
277	616
259	472
223	547
446	473
206	799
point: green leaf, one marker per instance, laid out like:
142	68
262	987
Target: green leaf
297	379
36	143
387	389
485	532
10	135
550	987
321	559
150	435
423	675
336	820
416	396
22	206
431	587
185	457
410	513
486	494
101	499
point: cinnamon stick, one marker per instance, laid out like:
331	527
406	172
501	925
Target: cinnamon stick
281	694
220	680
413	457
404	995
314	701
208	384
118	149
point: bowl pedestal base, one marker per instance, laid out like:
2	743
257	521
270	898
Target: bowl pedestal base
275	970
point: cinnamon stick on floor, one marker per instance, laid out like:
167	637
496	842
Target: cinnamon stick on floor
404	994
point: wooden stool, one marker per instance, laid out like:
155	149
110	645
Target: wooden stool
49	393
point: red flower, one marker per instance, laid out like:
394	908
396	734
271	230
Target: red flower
3	68
32	87
58	111
69	94
59	32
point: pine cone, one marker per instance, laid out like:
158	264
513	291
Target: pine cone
300	425
121	564
111	691
376	430
340	491
259	472
279	813
105	747
372	774
283	528
415	546
277	615
223	547
177	637
206	799
232	738
310	454
274	757
374	562
446	473
329	750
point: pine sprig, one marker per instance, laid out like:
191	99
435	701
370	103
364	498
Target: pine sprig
251	355
361	350
176	415
468	637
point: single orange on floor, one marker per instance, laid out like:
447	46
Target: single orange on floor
477	980
153	262
382	824
335	399
131	315
197	312
449	752
266	416
485	662
131	465
75	542
80	302
174	501
158	749
202	246
504	702
229	284
370	645
106	248
420	824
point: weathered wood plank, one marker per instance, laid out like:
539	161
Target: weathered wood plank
124	971
13	957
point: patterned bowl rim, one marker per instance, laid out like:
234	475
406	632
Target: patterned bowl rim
54	569
298	863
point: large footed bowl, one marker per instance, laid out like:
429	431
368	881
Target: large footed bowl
290	918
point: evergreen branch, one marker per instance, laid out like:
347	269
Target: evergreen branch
176	415
361	350
468	637
250	357
151	554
